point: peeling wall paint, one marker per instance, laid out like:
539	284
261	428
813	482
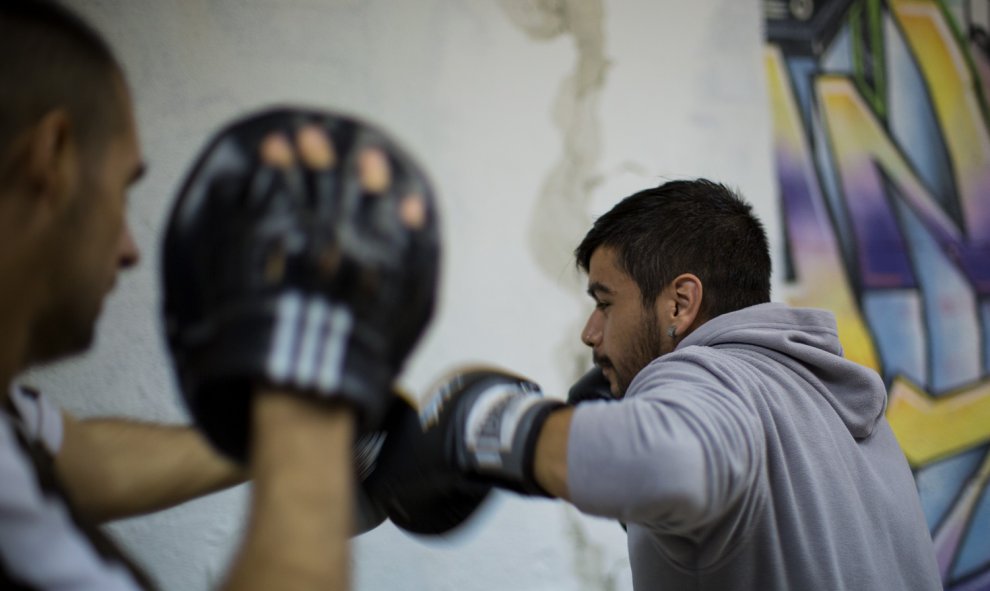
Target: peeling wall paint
561	214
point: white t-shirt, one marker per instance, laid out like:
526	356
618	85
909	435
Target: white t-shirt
42	545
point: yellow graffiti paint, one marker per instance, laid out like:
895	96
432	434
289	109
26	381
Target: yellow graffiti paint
955	99
930	428
860	142
822	281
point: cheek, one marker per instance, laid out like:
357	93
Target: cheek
615	335
101	232
111	218
634	342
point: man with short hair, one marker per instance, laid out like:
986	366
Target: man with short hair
69	152
736	443
774	466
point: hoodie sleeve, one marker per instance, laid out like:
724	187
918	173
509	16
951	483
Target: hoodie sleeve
676	453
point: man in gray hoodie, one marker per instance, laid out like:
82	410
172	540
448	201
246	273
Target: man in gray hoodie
742	449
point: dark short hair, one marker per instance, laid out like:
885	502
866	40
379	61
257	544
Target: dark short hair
50	59
699	227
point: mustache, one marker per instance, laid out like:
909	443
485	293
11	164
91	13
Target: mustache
601	361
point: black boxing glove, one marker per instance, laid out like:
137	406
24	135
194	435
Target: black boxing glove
479	427
368	514
309	278
418	490
593	385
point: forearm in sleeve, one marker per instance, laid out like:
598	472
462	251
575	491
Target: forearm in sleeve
651	461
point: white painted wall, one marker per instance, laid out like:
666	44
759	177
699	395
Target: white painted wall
469	89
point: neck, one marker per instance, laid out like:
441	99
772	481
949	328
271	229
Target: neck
19	301
14	356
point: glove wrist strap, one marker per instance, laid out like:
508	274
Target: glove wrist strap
536	417
502	430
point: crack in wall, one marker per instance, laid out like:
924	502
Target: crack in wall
560	215
590	557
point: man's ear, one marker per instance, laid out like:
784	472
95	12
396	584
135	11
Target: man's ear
50	158
684	304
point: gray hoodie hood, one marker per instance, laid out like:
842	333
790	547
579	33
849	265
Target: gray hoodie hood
805	340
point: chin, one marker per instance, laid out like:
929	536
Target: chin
82	338
620	385
68	347
62	340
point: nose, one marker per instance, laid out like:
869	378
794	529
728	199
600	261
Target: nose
592	333
128	253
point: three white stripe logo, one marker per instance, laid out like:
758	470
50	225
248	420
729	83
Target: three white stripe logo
310	342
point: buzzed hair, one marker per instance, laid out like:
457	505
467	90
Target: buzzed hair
51	59
699	227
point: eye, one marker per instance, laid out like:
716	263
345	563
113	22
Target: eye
600	305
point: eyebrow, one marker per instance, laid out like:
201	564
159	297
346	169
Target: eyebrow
596	288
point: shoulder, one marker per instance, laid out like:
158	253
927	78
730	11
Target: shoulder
40	419
41	545
691	367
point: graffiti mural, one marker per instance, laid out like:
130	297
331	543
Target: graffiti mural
882	150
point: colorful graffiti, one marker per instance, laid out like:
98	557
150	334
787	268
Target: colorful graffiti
882	148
